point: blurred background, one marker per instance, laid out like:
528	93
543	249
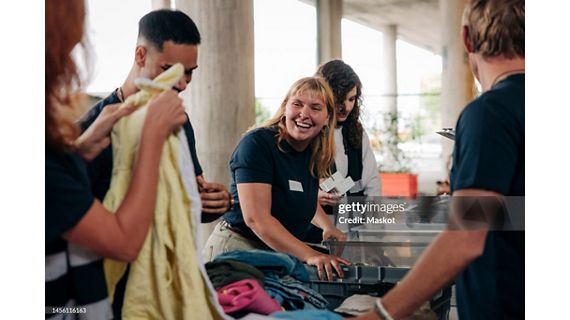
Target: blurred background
399	49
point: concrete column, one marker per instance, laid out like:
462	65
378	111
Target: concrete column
221	98
390	96
329	16
457	87
390	74
160	4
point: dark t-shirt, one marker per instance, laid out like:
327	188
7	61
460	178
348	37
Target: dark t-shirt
72	273
101	168
68	194
257	159
489	155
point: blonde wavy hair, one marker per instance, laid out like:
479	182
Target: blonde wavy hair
322	146
496	27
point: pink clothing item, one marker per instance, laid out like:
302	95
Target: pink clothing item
246	295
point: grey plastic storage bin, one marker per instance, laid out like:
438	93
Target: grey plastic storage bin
373	281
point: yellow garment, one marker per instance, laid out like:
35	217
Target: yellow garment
164	281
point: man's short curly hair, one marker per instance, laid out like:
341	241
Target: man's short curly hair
496	27
164	25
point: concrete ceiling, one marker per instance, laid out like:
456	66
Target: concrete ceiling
417	21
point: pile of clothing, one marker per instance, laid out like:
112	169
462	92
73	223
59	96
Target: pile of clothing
262	282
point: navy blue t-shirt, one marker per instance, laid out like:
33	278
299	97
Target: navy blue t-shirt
68	194
101	168
257	159
489	155
70	274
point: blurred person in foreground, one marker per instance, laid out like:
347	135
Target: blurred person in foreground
79	231
488	162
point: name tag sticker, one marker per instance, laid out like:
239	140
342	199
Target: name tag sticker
295	186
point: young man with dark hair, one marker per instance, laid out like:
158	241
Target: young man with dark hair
488	162
166	37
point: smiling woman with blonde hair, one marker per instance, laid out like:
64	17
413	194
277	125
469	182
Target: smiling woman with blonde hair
322	146
275	180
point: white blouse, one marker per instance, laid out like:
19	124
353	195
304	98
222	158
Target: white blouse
370	181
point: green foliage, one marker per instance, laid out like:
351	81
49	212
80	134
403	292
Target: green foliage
394	158
417	127
261	113
429	118
431	103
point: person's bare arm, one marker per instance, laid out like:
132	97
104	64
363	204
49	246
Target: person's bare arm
121	236
96	138
322	221
255	202
449	254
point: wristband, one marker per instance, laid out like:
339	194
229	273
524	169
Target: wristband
231	202
381	311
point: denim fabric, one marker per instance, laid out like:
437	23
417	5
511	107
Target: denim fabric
283	276
307	314
269	262
292	294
